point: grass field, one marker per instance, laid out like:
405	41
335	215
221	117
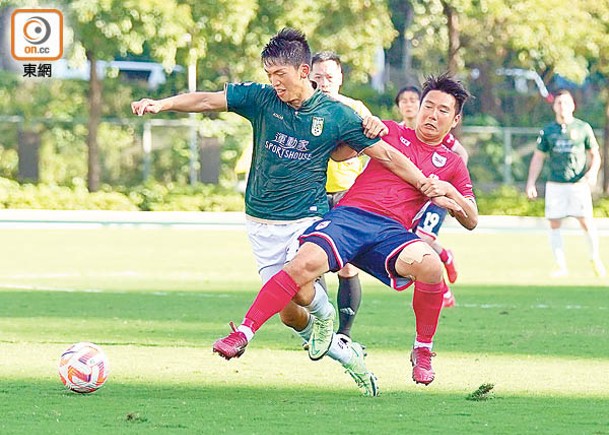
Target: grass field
156	299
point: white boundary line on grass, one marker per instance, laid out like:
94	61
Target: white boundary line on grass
216	221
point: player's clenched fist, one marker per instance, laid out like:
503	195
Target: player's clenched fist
145	105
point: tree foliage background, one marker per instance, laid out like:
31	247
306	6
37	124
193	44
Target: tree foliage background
472	38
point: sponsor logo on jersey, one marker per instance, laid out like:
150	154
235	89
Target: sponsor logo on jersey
563	145
404	141
438	160
317	126
289	147
322	225
278	116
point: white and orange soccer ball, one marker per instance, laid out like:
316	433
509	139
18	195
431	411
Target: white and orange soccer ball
83	367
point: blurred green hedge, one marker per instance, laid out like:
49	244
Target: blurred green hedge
153	197
506	200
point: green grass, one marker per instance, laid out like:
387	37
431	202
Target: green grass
155	299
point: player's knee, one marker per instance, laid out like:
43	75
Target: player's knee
307	265
349	271
420	262
431	269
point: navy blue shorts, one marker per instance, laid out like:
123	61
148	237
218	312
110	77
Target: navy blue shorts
431	221
369	241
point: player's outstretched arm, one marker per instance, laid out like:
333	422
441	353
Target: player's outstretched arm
189	102
396	162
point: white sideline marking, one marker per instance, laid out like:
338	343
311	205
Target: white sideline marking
91	290
117	274
538	306
47	289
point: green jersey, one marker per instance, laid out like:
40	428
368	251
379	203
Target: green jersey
566	146
292	147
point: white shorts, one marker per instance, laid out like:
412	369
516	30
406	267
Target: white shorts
568	199
274	244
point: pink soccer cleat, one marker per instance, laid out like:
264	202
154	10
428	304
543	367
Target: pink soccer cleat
231	346
449	265
422	372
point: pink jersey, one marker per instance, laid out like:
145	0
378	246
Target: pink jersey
380	191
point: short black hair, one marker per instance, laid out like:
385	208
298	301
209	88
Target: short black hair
288	47
563	91
412	89
324	56
448	84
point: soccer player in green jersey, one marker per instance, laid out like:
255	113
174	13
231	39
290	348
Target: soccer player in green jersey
296	129
574	160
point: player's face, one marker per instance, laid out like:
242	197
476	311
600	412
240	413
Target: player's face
564	106
408	104
436	117
328	76
287	80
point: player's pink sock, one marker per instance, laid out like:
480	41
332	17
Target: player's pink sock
444	255
427	305
272	298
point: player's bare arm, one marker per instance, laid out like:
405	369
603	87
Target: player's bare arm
396	162
534	171
192	102
594	158
468	217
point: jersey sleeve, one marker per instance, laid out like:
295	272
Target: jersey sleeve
462	180
351	131
393	136
542	142
244	98
590	142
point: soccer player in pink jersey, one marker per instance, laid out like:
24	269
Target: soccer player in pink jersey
408	100
369	229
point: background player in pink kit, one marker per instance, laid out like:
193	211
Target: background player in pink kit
368	228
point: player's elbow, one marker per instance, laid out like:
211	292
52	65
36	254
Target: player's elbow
471	224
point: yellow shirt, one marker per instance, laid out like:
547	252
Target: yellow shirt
342	175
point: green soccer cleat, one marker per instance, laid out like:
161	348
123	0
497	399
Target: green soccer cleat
321	337
356	368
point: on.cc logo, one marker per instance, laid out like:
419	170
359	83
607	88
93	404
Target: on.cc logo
37	34
36	30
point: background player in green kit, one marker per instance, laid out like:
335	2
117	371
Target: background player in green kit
574	160
296	129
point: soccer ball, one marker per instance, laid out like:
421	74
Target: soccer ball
83	367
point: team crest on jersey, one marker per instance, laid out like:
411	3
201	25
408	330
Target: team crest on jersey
573	134
438	160
317	126
322	225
